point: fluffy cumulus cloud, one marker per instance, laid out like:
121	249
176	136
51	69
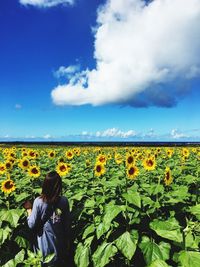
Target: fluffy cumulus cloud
141	50
113	132
46	3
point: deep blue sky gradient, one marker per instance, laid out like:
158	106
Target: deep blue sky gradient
36	42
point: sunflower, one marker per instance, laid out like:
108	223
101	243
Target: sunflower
8	165
118	158
24	163
170	152
69	154
8	186
129	159
2	168
34	171
132	172
101	159
63	168
168	177
51	154
99	169
149	163
32	154
185	152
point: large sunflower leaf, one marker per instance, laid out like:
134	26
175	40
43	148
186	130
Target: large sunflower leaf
158	263
19	257
4	233
103	254
153	251
126	243
82	256
189	258
195	210
133	198
12	216
169	229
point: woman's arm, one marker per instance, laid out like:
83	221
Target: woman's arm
33	215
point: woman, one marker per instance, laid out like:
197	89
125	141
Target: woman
50	219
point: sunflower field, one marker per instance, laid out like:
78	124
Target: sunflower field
130	206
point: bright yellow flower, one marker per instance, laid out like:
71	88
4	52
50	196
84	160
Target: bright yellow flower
69	154
24	163
130	160
34	171
2	168
132	171
99	169
149	163
168	177
101	159
63	168
8	186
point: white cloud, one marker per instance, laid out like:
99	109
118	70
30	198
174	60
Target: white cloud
111	133
175	134
66	71
18	106
46	3
139	49
47	136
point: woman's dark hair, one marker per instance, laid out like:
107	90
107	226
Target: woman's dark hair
52	187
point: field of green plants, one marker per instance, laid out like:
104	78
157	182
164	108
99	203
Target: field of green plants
130	206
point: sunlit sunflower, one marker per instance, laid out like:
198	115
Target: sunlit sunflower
87	163
69	154
185	152
62	168
118	158
130	160
8	165
51	154
34	171
77	151
8	186
149	163
132	172
101	159
24	163
168	177
170	152
99	169
2	168
32	154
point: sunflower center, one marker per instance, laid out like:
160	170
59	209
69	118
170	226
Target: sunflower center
98	168
130	160
34	170
150	163
25	163
131	171
62	168
167	176
8	185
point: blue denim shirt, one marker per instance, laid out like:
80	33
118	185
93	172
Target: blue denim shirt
54	224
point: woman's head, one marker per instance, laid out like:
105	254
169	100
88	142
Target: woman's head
52	187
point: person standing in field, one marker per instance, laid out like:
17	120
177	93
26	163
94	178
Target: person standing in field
50	220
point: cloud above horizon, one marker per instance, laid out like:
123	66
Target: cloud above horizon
144	54
46	3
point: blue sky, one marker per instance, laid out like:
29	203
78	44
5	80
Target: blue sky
99	70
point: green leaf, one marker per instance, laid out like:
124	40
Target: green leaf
158	263
133	198
104	254
12	216
4	233
82	255
19	257
169	229
90	229
195	210
153	251
49	257
189	258
22	242
126	243
111	211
